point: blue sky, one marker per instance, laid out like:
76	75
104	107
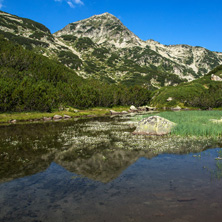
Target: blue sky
192	22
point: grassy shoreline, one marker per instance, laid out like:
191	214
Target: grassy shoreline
7	118
194	123
189	123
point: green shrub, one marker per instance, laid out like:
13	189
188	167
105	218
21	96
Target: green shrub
84	43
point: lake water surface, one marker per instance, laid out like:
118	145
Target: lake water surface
96	170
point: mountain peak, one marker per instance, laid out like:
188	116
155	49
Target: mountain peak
101	29
106	14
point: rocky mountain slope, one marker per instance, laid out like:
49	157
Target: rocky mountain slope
204	93
102	47
25	31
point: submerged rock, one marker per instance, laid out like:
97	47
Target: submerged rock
154	125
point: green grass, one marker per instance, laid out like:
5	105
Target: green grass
194	123
27	116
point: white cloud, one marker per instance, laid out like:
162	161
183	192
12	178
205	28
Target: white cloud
79	2
71	3
1	3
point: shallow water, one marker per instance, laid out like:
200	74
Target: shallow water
97	171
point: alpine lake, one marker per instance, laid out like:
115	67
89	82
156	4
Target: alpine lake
97	170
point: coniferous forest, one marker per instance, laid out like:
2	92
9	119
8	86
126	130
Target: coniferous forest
32	82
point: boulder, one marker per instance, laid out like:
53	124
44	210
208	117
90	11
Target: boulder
112	112
124	112
56	117
177	108
47	118
169	99
143	108
67	117
150	108
154	125
216	78
133	109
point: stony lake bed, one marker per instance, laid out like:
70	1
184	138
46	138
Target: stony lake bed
97	170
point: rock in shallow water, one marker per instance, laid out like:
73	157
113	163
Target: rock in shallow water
154	125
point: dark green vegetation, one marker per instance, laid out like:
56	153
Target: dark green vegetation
194	123
202	93
30	82
70	59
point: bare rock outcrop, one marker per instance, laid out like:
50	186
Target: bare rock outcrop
216	78
154	125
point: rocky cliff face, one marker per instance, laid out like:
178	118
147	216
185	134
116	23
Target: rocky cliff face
102	47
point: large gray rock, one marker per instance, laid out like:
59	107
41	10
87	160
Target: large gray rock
154	125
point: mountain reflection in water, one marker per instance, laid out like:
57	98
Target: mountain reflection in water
98	171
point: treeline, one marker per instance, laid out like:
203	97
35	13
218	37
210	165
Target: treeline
210	98
31	82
